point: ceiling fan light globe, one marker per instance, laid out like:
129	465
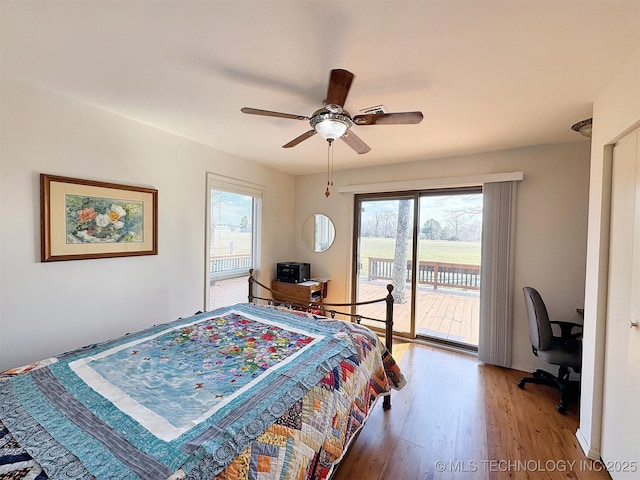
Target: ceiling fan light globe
331	129
330	125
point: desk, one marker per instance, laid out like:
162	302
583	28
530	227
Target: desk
303	293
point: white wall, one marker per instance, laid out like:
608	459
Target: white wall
48	308
551	224
616	111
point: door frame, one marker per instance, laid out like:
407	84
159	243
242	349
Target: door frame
608	323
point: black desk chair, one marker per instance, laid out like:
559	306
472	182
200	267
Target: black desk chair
564	350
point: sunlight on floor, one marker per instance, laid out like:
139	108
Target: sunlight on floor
399	350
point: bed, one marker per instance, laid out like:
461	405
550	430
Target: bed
251	391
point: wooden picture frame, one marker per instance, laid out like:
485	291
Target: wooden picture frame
83	219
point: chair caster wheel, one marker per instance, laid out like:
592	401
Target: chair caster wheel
520	384
561	409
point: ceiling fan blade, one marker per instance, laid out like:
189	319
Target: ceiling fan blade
269	113
400	118
339	85
299	139
355	142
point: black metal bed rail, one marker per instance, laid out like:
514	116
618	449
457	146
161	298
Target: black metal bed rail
321	307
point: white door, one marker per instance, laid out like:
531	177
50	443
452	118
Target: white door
621	415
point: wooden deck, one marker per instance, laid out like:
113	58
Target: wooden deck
449	314
223	293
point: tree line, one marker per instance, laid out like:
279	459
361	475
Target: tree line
459	225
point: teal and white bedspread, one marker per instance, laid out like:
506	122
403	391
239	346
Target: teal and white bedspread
189	396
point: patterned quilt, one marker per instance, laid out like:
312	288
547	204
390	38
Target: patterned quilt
239	393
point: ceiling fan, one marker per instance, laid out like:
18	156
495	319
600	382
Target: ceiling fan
332	121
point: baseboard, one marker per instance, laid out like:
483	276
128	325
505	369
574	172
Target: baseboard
523	368
592	453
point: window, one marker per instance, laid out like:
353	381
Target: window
233	233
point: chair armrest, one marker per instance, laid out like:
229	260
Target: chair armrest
567	327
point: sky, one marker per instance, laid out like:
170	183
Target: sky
433	206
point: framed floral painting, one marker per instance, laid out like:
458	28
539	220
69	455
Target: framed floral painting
86	219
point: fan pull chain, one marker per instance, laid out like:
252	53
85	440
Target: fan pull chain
332	164
329	168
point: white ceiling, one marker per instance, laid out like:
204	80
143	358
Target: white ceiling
488	75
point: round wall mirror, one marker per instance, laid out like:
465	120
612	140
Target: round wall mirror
318	232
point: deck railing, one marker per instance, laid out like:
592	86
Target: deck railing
456	275
224	263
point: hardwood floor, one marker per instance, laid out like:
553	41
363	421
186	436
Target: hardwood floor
459	419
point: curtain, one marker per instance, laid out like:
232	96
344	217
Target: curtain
496	287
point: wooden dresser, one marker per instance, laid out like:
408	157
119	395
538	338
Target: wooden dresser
303	293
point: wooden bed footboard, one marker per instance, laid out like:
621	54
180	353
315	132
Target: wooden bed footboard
331	310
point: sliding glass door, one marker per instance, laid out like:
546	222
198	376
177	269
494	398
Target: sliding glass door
437	289
383	254
448	290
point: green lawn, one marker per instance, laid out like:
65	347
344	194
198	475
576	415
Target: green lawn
231	243
430	250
